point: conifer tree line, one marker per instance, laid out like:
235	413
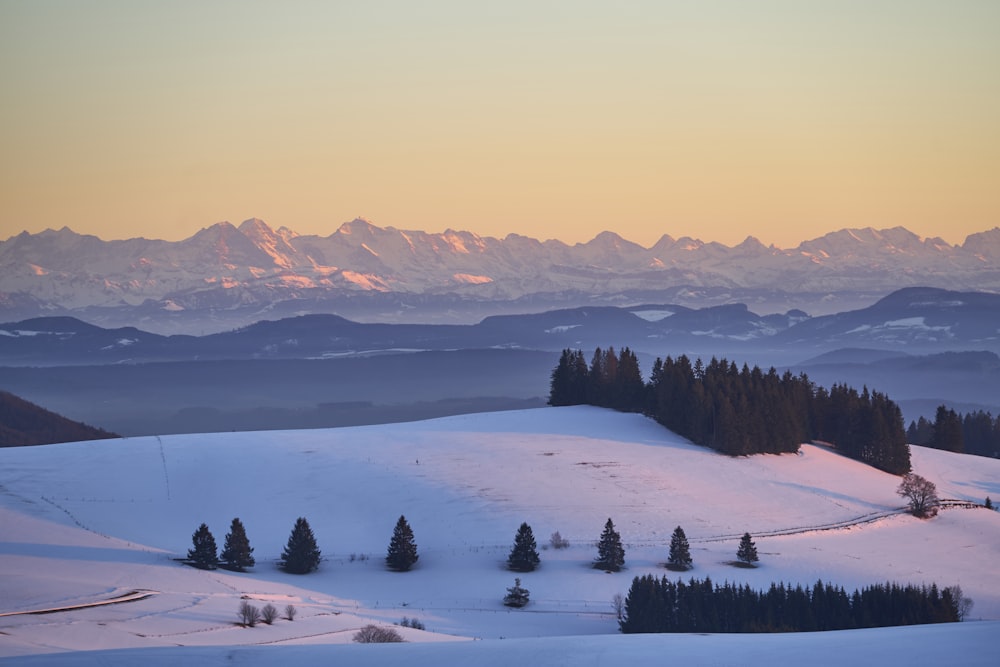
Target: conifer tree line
970	433
660	605
737	411
301	554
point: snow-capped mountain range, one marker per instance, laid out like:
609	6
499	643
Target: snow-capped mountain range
227	275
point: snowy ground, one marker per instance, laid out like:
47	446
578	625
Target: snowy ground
87	522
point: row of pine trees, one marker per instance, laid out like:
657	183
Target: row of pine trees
301	554
737	411
972	433
660	605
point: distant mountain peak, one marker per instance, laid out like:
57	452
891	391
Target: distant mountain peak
253	268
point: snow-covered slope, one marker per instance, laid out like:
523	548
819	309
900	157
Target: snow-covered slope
85	522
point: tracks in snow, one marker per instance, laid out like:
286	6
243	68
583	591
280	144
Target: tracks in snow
131	596
871	517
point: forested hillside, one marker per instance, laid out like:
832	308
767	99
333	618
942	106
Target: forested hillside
24	423
738	411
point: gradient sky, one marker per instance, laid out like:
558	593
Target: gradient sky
711	119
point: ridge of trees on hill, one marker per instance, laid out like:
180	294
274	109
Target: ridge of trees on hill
737	411
23	423
970	433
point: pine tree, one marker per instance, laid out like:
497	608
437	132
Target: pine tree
516	596
402	549
237	554
989	503
524	555
301	554
747	553
610	552
203	553
680	551
947	431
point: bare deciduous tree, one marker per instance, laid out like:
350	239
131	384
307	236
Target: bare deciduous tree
249	615
290	612
558	541
618	604
377	634
269	613
921	494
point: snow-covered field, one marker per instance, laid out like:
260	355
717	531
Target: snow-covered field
87	522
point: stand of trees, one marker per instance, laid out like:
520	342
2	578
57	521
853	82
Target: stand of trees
970	433
738	411
661	605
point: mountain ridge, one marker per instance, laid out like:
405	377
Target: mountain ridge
234	275
916	319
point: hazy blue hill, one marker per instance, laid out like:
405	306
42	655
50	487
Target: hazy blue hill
24	423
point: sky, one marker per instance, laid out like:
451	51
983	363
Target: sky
717	119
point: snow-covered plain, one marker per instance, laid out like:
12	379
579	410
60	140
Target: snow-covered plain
87	522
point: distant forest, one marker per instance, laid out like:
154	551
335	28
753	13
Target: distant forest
24	423
972	433
738	411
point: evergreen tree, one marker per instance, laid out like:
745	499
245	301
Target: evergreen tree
516	595
680	551
747	552
203	554
610	552
564	387
301	554
947	431
524	555
989	503
629	389
402	549
237	554
920	432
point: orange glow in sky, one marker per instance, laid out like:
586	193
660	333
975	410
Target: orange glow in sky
718	119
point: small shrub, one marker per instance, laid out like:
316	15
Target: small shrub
558	542
377	634
248	614
618	604
516	596
290	612
414	623
269	613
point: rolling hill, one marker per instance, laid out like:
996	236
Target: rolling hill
87	522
